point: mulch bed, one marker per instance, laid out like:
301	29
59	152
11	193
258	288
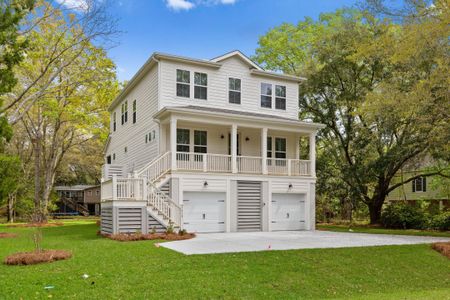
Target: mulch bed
37	257
129	237
4	235
53	224
443	248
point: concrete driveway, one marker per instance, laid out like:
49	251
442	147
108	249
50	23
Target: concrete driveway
261	241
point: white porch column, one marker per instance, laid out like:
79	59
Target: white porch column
297	147
312	152
233	148
173	142
264	150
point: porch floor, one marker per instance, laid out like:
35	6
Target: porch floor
209	243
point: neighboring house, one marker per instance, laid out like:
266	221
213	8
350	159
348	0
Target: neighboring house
209	146
78	199
431	189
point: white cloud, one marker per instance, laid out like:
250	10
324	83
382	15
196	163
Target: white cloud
189	4
81	5
180	4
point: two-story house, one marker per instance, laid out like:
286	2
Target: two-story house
209	146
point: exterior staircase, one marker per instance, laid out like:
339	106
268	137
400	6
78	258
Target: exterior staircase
156	179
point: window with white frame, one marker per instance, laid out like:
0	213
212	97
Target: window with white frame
200	141
234	90
419	184
114	121
280	97
183	83
200	85
269	147
280	148
266	95
124	112
134	111
183	140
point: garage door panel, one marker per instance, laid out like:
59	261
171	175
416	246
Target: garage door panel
288	211
204	211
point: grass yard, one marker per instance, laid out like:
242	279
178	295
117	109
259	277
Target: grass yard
139	270
366	229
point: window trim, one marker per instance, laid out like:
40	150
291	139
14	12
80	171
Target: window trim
114	121
235	90
280	97
189	141
423	185
134	111
183	83
205	146
201	86
265	95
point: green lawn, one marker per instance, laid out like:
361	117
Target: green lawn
139	270
365	229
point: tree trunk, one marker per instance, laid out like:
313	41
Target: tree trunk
375	209
11	198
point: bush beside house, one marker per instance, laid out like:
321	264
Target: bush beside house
399	215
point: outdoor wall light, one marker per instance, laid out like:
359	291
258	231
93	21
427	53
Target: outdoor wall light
205	184
290	185
247	139
222	136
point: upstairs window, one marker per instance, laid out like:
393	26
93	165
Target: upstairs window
114	121
266	95
419	184
183	83
234	90
124	112
134	111
200	141
280	97
200	85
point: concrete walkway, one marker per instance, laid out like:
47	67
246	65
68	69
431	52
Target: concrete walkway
260	241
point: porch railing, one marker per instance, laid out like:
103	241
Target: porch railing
221	163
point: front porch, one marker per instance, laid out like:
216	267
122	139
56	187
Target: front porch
200	144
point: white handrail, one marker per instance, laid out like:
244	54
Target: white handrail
164	204
156	168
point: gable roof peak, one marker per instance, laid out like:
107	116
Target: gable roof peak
241	55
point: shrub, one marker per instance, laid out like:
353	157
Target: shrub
36	257
443	248
403	216
441	221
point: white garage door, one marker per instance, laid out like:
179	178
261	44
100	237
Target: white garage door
204	211
288	211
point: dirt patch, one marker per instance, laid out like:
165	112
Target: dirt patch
443	248
53	224
129	237
37	257
4	235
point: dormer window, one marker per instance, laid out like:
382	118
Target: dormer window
183	83
280	97
234	90
200	85
266	95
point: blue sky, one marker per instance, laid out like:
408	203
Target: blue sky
201	28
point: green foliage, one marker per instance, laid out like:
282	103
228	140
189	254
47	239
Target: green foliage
441	221
10	172
384	99
404	216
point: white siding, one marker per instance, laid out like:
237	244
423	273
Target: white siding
214	185
132	135
218	88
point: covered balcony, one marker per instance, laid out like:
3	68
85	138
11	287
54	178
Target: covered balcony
223	141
